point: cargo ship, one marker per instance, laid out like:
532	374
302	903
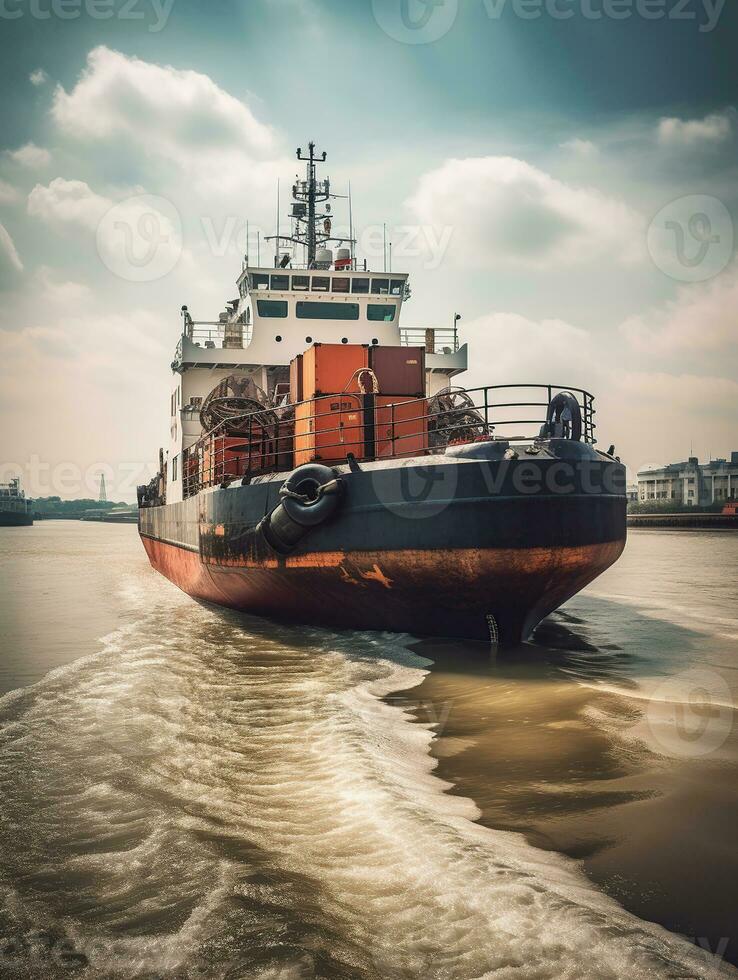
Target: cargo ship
325	466
15	509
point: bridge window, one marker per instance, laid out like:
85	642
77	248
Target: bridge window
359	285
380	286
321	284
280	282
301	282
396	287
375	311
259	280
328	311
272	307
341	284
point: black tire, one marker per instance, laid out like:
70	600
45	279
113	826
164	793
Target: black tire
317	509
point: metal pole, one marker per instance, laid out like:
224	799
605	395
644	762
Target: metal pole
384	245
351	225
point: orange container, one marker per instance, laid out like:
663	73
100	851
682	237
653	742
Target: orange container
331	369
327	429
399	370
401	427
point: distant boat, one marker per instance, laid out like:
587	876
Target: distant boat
118	515
15	510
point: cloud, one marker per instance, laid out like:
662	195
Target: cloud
180	117
504	210
79	353
8	193
713	129
30	156
584	148
138	238
38	77
702	319
519	350
68	201
10	262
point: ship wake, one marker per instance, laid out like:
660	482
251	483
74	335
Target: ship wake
213	796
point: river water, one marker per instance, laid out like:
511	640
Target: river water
190	793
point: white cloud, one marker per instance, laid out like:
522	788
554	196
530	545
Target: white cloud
9	258
177	116
30	156
584	148
713	129
68	201
701	319
80	353
138	237
38	77
8	193
516	349
504	210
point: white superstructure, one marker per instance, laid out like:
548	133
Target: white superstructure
280	311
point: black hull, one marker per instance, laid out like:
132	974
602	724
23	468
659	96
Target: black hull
9	519
459	548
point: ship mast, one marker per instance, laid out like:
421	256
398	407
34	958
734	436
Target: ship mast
311	211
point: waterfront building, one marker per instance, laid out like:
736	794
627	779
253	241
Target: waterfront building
691	483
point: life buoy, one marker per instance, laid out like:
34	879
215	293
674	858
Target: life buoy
564	418
310	496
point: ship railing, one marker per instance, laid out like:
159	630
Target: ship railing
372	427
217	335
435	340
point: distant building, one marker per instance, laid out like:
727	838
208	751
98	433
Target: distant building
691	483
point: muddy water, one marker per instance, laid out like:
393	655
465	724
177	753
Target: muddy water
185	792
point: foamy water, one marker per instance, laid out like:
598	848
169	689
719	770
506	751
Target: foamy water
212	796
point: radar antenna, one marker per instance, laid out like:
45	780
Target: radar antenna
311	211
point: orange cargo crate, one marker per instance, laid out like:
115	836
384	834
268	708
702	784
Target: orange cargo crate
327	429
401	427
330	369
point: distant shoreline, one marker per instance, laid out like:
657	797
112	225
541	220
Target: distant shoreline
688	522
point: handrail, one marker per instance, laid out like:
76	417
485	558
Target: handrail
276	439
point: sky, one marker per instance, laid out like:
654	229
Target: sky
561	173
